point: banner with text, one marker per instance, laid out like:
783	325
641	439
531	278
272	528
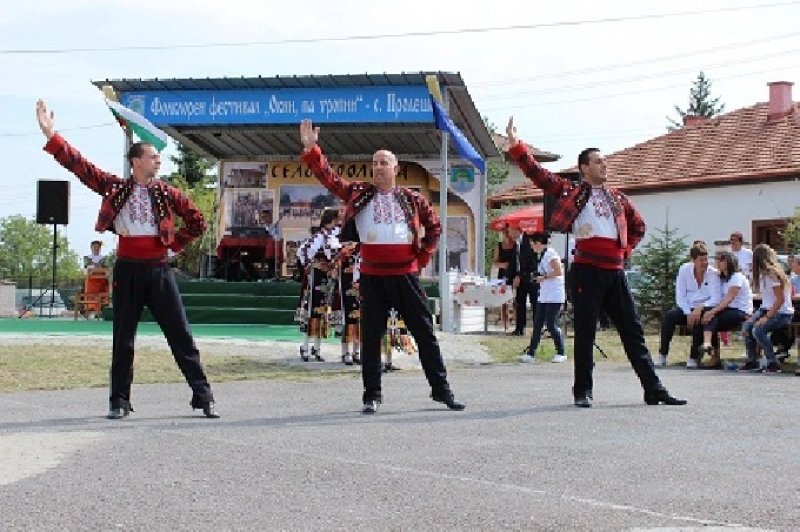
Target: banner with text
283	106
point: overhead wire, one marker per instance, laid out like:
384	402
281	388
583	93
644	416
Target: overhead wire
404	35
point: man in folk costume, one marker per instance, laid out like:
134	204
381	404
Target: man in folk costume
142	211
316	255
388	221
607	227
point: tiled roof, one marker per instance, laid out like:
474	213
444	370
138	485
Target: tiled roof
501	141
737	146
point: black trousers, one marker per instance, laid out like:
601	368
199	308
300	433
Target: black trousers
137	285
403	292
526	291
674	317
595	289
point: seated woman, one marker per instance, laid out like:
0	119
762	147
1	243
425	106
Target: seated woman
94	284
776	309
730	312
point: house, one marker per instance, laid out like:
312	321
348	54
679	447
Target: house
735	172
515	175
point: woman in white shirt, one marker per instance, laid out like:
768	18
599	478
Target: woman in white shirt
730	312
552	293
776	309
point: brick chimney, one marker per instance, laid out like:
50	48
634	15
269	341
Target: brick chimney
780	99
692	120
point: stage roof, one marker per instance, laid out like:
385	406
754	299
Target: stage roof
340	140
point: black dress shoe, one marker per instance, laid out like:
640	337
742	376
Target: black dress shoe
583	401
316	355
208	407
370	407
448	399
662	397
120	410
303	355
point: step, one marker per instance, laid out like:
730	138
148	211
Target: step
218	315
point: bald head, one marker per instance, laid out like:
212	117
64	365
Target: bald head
384	169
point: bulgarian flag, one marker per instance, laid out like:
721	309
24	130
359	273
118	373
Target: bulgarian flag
142	127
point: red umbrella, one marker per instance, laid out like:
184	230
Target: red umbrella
529	219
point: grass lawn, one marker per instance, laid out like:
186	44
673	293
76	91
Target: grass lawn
41	367
508	349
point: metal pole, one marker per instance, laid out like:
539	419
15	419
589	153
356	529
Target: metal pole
55	265
444	277
126	167
480	249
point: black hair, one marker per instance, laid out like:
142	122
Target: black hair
583	157
136	151
328	217
543	237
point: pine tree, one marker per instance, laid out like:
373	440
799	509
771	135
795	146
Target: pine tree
700	103
658	262
190	166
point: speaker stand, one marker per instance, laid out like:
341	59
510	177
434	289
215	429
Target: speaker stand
53	286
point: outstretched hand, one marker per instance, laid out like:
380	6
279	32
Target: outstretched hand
511	132
46	120
309	134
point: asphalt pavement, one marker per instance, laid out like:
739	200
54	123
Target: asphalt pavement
300	456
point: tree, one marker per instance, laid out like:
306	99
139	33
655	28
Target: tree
196	177
700	103
793	232
26	250
204	197
658	262
497	171
190	166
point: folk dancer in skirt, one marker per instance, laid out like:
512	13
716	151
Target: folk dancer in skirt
316	256
397	338
349	315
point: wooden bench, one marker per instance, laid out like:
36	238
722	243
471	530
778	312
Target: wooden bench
793	329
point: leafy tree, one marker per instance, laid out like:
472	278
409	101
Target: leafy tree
700	103
191	167
793	232
658	262
195	176
205	198
26	250
497	171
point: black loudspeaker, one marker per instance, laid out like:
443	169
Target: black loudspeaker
52	202
550	201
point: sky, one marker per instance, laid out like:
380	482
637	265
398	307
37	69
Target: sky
573	73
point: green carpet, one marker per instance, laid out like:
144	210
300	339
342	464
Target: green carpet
34	326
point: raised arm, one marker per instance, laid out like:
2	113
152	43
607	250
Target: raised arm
93	177
550	183
313	157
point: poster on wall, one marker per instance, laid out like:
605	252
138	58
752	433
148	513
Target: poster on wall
457	246
291	241
244	175
243	207
300	206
